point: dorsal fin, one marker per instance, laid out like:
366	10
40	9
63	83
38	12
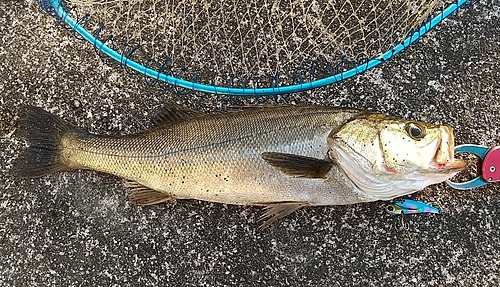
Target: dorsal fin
173	113
242	108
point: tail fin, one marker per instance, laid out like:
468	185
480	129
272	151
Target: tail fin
43	131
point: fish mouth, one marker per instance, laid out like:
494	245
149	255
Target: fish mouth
444	155
456	165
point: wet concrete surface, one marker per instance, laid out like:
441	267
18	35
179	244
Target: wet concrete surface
77	228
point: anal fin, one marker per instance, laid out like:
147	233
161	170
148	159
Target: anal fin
278	210
143	196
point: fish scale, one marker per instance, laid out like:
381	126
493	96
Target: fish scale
182	159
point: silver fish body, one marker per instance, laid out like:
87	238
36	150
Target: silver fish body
218	158
280	157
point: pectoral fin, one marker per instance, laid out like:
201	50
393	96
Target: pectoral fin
278	210
142	195
297	165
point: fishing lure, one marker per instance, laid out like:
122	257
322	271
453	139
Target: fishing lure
408	206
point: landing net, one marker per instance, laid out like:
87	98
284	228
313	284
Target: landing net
249	47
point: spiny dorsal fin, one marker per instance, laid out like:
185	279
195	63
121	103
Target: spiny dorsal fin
278	210
297	165
241	108
142	195
173	113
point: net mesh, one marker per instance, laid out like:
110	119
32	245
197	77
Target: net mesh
249	41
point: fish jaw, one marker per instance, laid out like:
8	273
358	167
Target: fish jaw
443	165
444	159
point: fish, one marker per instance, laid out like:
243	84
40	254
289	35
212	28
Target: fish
283	158
408	206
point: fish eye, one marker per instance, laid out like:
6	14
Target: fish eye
414	131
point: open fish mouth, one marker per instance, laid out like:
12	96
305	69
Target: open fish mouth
444	156
454	165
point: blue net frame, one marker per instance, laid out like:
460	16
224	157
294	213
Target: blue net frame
332	74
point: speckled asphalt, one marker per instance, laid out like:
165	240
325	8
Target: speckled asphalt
77	228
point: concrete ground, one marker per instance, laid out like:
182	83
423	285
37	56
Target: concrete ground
77	228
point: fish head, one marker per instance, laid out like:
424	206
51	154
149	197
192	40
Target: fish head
388	157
